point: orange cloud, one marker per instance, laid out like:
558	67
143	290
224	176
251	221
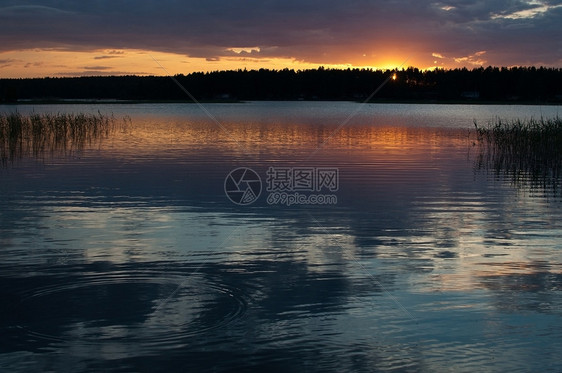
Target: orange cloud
192	36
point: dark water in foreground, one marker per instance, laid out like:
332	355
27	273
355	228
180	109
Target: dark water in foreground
129	256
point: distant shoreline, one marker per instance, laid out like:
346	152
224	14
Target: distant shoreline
492	85
382	101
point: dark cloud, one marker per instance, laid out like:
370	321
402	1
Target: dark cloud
97	68
33	64
110	54
329	31
7	62
100	73
104	57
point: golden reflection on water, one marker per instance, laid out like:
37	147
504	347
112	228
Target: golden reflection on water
309	141
463	238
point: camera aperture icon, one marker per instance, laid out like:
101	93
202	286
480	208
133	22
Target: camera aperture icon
242	186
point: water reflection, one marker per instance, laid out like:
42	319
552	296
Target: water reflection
132	257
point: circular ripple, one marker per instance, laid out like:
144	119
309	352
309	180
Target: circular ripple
140	310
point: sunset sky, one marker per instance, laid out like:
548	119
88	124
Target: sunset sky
75	38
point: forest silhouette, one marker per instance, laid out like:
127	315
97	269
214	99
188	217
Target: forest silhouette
491	84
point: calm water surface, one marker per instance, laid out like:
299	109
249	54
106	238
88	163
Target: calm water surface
127	254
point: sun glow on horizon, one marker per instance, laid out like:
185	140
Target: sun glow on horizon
38	63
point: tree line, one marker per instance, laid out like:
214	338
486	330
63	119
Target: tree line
515	84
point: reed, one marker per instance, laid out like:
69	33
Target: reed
40	134
525	149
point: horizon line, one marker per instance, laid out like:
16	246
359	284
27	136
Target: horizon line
320	67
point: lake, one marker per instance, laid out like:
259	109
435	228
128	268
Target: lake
280	236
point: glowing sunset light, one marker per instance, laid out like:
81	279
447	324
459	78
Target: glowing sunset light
67	38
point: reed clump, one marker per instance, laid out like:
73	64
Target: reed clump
526	149
40	134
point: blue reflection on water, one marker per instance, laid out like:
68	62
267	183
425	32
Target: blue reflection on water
131	257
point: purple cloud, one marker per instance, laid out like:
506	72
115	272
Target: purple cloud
330	31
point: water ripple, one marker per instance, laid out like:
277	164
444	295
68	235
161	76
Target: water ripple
133	310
